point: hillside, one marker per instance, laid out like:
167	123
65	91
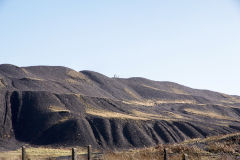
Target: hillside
45	105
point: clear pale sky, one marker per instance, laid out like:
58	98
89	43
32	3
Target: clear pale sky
191	42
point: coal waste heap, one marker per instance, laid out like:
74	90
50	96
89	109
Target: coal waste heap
54	105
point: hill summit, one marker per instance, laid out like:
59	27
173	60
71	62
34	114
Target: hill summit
54	105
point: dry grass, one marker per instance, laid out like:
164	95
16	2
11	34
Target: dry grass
148	115
25	71
73	81
58	109
77	75
34	153
84	102
223	147
11	155
144	85
148	103
168	115
151	103
174	115
230	99
211	138
220	147
64	119
131	93
181	101
172	90
178	91
34	79
109	114
211	148
1	83
208	114
143	154
174	152
137	115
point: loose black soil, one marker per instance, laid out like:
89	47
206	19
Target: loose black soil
44	105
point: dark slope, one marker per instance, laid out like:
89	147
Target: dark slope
46	105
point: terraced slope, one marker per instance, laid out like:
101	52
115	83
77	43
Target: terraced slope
45	105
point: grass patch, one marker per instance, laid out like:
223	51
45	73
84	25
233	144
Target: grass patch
208	114
76	75
58	109
1	84
178	91
73	81
109	114
131	93
144	85
230	99
172	90
151	103
40	153
148	103
180	101
25	71
222	147
167	116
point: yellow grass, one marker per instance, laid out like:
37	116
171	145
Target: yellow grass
151	103
1	84
182	101
35	79
40	153
131	93
152	153
137	115
147	115
210	138
169	116
178	91
208	114
174	115
76	75
73	81
29	75
58	109
215	150
110	114
230	99
148	103
144	85
25	71
64	119
80	97
172	90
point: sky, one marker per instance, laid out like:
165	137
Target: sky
191	42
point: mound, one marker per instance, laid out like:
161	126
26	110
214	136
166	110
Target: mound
45	105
